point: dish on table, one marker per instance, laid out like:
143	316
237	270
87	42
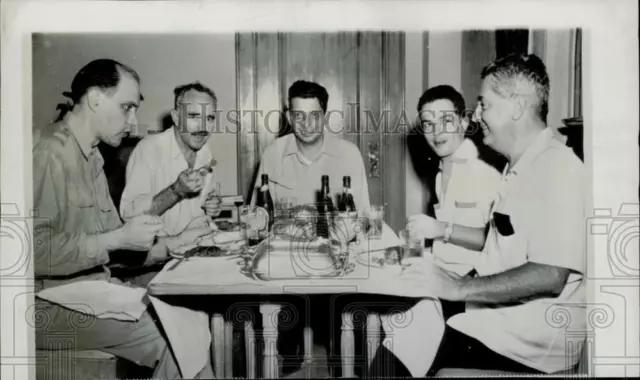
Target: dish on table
278	258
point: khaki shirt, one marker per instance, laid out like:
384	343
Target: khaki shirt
72	205
538	216
292	175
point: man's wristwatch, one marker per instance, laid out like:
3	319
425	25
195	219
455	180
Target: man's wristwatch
448	230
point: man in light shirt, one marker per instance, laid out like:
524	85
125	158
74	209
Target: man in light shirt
534	254
296	162
165	171
465	187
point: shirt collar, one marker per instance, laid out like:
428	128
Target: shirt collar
81	135
329	146
539	143
465	152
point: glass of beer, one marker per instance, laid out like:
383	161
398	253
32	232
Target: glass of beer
410	247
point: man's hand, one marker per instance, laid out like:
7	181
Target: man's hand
197	229
212	206
188	183
138	234
424	227
427	275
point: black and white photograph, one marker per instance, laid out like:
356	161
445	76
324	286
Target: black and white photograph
364	202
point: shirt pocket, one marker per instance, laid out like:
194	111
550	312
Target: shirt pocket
83	208
467	213
79	196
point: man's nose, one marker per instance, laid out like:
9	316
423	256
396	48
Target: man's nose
477	114
132	123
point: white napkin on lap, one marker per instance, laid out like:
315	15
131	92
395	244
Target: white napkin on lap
99	298
189	335
414	336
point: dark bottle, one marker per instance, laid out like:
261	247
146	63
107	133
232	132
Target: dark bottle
346	202
264	199
325	209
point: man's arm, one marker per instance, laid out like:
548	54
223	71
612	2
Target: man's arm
137	197
555	231
58	252
164	201
518	284
467	237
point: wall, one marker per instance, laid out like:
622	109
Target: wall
432	58
163	62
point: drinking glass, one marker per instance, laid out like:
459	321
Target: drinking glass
284	207
410	247
376	218
251	224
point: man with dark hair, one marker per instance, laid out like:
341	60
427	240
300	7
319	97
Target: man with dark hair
296	162
465	186
165	171
533	258
464	189
78	229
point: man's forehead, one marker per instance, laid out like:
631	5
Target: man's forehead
196	101
437	109
305	105
128	88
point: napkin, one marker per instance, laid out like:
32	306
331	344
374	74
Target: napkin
101	299
414	336
189	335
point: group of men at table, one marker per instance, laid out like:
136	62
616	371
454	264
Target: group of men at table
515	240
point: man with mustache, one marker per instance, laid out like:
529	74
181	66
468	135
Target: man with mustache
165	172
78	229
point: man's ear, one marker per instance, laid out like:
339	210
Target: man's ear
287	114
94	97
175	118
519	107
464	122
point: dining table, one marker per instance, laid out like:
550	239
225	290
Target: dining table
371	273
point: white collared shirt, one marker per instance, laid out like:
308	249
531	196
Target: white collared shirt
155	163
292	175
470	192
543	198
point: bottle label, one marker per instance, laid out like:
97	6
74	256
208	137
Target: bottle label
262	218
264	187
